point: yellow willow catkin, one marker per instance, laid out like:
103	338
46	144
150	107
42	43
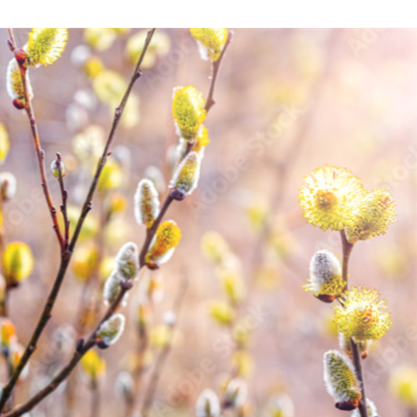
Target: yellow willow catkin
185	178
210	41
45	45
110	331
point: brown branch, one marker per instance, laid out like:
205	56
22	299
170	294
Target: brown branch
347	249
215	71
66	255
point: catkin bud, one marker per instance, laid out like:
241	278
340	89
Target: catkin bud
93	364
125	385
236	393
340	380
17	262
127	261
325	276
146	203
188	111
4	143
280	406
110	331
208	404
221	312
56	166
45	45
7	186
7	334
185	178
163	244
403	385
210	41
371	408
112	288
14	84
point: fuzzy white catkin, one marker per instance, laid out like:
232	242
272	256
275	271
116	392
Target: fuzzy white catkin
185	178
146	203
127	261
13	67
335	374
236	392
111	330
323	266
112	288
281	405
8	185
124	385
372	411
208	404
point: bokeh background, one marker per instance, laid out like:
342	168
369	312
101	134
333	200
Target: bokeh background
287	102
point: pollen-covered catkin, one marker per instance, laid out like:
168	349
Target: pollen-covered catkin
185	178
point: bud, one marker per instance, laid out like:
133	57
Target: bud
326	279
210	42
155	175
93	66
214	247
208	404
403	385
125	385
159	45
232	284
163	244
45	45
340	380
185	178
127	261
56	166
16	353
146	203
17	262
236	393
4	143
170	318
85	260
371	408
99	38
93	364
112	288
280	406
111	176
110	331
188	111
7	186
7	334
242	363
221	312
14	84
115	203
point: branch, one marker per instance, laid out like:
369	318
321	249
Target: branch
160	361
347	249
210	102
66	255
64	195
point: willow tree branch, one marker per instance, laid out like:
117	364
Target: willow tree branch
64	196
215	71
356	357
161	359
66	255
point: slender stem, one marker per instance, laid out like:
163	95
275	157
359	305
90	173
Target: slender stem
161	359
11	41
215	71
64	195
347	249
66	255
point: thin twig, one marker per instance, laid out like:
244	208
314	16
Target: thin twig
161	359
215	71
347	249
66	255
64	195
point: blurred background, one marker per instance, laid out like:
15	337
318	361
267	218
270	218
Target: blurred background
287	102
